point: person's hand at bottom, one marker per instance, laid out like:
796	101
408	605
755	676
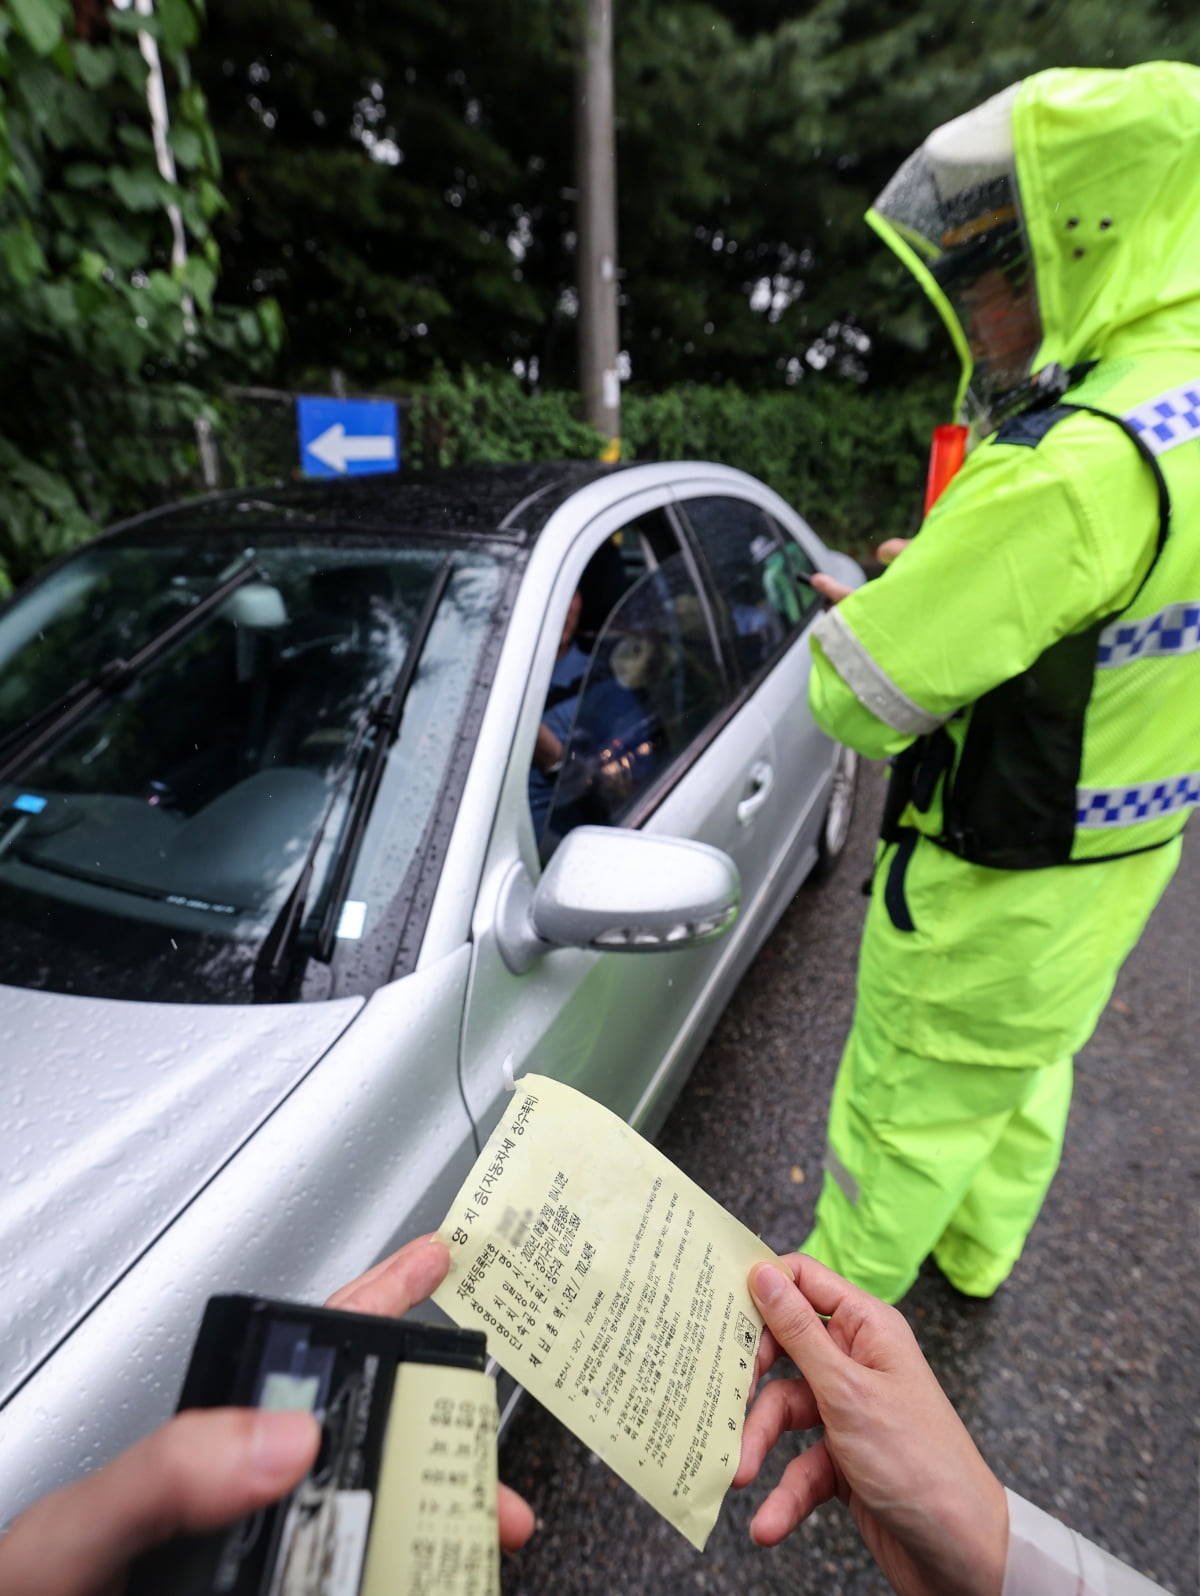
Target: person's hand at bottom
203	1469
196	1472
932	1513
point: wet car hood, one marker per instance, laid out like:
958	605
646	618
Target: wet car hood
113	1116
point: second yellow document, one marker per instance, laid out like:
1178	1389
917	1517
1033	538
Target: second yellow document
614	1289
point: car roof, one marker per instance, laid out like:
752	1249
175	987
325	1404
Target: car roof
513	500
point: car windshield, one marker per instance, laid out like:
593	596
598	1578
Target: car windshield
148	850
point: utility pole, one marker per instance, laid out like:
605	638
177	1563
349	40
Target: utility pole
596	162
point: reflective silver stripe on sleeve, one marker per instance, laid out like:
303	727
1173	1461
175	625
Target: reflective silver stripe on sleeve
834	1166
867	682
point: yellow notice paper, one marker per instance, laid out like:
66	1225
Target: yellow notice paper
434	1528
614	1290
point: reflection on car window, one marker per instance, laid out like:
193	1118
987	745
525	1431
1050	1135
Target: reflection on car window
652	685
178	814
103	604
758	575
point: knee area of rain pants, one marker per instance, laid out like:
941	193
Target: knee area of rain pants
951	1101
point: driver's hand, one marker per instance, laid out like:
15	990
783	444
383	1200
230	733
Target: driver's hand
197	1472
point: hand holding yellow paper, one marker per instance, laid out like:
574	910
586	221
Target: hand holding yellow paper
614	1289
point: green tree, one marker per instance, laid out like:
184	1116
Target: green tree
374	179
105	343
401	173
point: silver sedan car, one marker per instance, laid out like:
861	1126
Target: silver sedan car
324	812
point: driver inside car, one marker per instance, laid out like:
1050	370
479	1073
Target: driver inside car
609	707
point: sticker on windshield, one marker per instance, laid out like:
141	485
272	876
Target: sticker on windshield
30	803
354	917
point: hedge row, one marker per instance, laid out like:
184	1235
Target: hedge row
852	460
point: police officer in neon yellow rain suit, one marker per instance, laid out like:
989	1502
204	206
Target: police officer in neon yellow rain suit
1032	659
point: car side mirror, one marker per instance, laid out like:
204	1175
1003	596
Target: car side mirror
617	891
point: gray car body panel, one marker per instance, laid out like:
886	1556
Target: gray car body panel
363	1153
116	1115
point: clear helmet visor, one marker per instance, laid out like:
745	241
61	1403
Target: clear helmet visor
955	205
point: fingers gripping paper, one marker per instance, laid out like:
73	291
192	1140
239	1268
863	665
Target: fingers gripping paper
614	1290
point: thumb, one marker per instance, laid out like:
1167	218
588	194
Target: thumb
794	1323
199	1471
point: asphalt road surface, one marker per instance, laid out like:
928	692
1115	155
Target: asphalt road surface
1079	1380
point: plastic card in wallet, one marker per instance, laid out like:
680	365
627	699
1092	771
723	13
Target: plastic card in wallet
401	1500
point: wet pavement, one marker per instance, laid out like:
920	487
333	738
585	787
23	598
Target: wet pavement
1080	1380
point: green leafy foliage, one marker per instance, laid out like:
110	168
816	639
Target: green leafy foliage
492	417
106	348
851	460
401	175
394	181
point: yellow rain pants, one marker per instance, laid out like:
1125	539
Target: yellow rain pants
951	1101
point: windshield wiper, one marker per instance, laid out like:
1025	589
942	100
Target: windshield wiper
275	956
49	724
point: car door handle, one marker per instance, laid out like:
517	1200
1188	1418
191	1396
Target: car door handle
758	789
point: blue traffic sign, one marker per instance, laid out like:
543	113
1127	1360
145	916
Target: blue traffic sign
348	437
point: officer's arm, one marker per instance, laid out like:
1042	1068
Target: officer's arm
1024	547
838	711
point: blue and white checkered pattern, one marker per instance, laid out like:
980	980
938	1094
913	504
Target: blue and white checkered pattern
1097	807
1174	630
1171	419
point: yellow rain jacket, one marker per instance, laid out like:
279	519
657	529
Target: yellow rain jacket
1034	660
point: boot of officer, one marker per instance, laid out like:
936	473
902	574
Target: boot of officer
1030	663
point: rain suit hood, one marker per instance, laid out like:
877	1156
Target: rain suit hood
1106	197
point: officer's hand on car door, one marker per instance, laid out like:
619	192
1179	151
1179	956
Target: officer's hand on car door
833	592
203	1469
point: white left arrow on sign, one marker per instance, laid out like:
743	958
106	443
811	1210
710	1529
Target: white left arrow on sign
335	450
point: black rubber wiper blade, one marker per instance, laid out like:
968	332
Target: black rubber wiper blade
278	947
386	718
48	725
50	712
275	953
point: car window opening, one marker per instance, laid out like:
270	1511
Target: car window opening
622	710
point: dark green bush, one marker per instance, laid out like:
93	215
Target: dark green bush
851	460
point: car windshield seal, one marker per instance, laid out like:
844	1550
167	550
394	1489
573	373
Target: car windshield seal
279	944
49	724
